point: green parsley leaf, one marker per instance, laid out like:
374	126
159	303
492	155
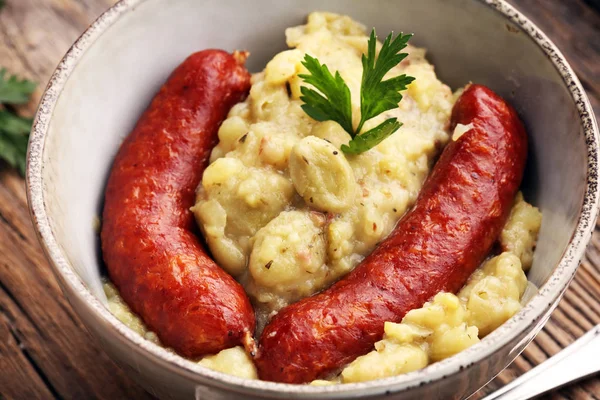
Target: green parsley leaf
2	4
377	95
372	137
13	90
334	104
14	135
331	100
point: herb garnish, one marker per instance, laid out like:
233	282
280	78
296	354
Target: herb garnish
14	129
376	95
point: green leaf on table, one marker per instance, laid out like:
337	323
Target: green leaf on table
14	135
14	129
14	90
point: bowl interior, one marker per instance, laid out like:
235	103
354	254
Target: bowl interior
468	41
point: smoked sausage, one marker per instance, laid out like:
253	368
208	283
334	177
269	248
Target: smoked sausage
435	247
149	240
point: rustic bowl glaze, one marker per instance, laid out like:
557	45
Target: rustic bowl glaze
108	76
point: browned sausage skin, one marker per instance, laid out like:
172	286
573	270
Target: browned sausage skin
435	247
149	239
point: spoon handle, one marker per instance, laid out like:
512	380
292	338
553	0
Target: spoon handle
577	361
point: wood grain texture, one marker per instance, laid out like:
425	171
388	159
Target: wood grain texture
44	350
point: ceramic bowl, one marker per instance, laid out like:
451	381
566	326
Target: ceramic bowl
109	75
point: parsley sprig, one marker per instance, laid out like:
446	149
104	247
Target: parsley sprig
14	129
335	105
331	99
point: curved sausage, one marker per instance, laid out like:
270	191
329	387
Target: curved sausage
149	239
435	247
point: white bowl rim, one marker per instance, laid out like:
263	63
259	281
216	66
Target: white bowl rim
538	307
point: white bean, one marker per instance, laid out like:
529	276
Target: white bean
321	175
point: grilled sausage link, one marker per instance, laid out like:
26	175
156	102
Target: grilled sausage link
149	239
435	247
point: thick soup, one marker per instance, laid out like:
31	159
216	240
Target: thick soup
287	213
281	207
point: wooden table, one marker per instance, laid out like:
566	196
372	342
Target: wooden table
45	351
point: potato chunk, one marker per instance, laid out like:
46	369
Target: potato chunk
332	132
288	252
493	293
389	360
520	233
234	361
283	66
236	201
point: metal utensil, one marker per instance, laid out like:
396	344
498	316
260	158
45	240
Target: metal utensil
579	360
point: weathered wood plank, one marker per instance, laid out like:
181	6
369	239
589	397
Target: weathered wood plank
48	330
19	378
